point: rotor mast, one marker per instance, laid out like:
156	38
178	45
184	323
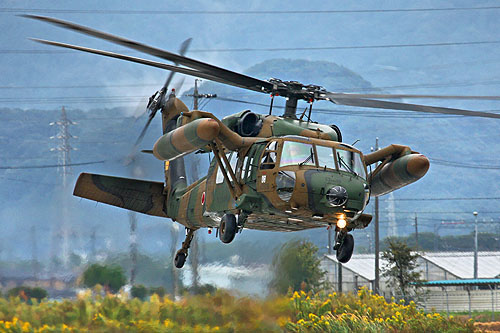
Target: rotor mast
291	107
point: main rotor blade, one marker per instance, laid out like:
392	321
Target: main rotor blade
394	96
151	63
238	79
371	103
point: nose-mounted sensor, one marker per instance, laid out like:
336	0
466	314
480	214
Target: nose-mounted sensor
337	196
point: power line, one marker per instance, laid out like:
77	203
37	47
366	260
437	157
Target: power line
280	49
49	165
442	199
131	85
437	212
28	181
236	12
134	99
463	165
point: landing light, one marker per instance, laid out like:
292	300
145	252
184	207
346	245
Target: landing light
341	223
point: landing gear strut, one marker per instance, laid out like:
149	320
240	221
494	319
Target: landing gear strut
181	255
227	228
344	245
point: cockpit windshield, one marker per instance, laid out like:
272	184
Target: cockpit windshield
294	153
299	153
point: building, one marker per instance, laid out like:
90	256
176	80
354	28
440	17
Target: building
434	266
360	270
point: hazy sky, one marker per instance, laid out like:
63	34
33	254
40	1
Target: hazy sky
367	42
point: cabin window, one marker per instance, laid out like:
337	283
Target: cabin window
233	159
294	153
285	183
244	168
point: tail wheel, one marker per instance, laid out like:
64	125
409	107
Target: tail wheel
227	228
180	259
344	252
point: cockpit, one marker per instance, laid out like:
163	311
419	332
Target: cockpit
342	157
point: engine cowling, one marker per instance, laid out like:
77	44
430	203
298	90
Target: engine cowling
186	139
398	173
245	123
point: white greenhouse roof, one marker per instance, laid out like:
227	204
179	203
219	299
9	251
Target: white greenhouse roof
460	264
361	264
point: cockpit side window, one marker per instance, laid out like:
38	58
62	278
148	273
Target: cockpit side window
351	162
268	160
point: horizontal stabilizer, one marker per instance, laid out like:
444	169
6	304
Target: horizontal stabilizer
137	195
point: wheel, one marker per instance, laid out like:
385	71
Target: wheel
180	259
344	252
227	228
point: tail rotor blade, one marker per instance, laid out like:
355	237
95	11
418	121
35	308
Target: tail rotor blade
179	84
143	132
183	49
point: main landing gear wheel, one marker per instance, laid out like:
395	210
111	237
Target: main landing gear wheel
180	259
227	228
181	255
344	251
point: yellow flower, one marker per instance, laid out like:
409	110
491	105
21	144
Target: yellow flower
26	327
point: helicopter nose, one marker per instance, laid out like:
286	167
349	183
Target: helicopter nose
326	192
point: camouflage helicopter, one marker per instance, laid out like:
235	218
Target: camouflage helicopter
276	173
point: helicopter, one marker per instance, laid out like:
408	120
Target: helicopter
274	173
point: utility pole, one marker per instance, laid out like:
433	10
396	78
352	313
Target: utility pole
377	240
133	246
475	245
416	232
64	149
194	256
34	254
92	245
330	239
197	96
339	272
132	218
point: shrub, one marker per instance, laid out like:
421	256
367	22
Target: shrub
139	291
160	291
27	293
111	277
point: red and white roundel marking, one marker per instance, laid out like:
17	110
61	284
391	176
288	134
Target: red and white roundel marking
203	198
